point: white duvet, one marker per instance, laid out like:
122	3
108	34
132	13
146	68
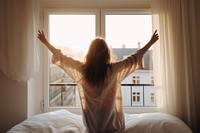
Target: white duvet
63	121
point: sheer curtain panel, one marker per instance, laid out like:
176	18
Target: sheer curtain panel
18	35
177	66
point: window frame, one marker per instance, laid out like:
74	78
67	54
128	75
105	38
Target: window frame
48	12
136	11
100	31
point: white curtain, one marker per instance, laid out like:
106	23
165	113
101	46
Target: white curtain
19	57
176	62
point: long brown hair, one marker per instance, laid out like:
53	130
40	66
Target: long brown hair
97	61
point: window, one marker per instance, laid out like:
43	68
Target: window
73	38
152	97
136	79
152	80
136	96
124	31
130	31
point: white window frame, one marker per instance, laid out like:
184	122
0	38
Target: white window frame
100	31
136	11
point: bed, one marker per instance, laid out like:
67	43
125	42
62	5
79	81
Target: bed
63	121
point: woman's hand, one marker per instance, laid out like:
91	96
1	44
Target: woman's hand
154	37
42	37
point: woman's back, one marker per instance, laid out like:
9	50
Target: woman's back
102	106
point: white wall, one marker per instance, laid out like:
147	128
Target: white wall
13	102
95	3
35	94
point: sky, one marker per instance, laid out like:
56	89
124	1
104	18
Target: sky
77	31
74	31
128	30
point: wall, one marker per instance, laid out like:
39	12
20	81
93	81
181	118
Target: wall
95	3
13	102
19	100
35	92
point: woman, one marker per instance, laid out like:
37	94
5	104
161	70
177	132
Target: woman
99	82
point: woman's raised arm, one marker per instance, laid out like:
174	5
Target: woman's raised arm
43	39
153	39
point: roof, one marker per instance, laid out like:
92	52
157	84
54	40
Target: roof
120	53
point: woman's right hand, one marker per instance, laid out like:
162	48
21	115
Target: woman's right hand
42	37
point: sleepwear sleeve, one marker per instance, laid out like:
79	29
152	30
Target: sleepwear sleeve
69	65
129	65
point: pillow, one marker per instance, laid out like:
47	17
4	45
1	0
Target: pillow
154	123
61	121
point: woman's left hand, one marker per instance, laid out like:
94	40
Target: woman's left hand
42	37
154	37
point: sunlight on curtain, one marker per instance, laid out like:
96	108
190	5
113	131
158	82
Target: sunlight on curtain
18	50
176	59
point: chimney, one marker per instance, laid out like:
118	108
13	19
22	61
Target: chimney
123	46
139	45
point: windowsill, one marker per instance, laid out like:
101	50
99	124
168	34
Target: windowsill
138	110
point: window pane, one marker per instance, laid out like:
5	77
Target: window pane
138	98
126	34
134	98
72	34
128	31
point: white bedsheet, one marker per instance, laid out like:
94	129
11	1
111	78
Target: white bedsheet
63	121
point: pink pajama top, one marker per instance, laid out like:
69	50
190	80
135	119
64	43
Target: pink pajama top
101	107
